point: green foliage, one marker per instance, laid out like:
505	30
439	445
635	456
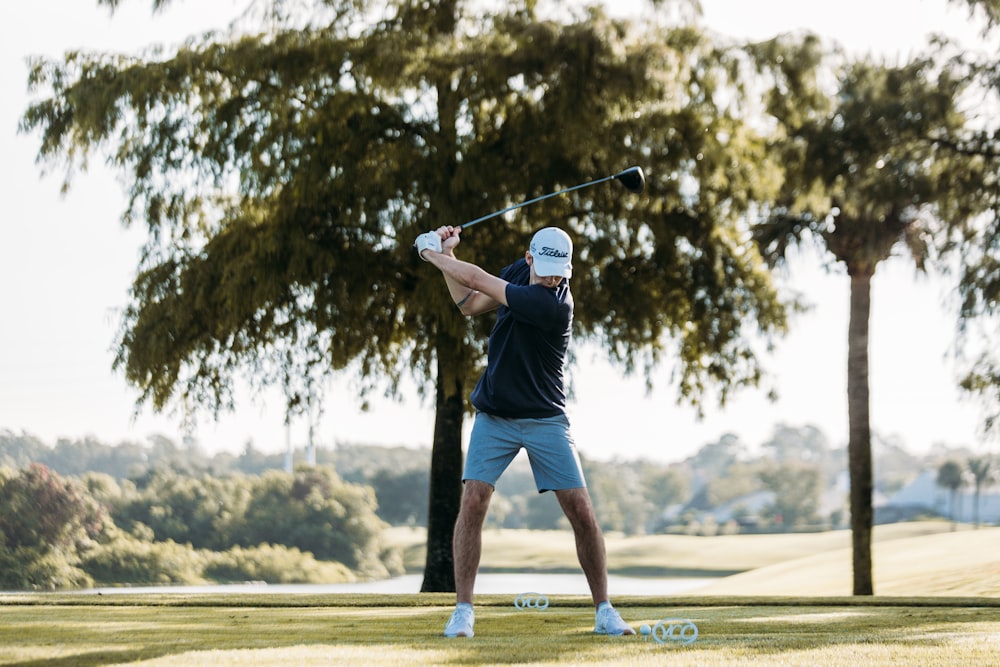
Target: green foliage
796	488
40	510
983	381
402	496
400	477
360	463
276	564
866	169
714	458
46	524
663	486
629	496
57	532
159	504
806	444
127	560
950	476
312	510
989	8
315	511
203	510
38	568
76	457
739	479
19	451
283	175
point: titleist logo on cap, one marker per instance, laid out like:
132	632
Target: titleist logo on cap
546	251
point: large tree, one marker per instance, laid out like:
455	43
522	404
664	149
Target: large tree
976	245
283	174
866	176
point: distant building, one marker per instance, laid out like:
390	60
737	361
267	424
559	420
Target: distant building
924	496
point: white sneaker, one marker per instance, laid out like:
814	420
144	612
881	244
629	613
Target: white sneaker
609	622
461	621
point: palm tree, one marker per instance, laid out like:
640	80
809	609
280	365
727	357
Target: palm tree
982	471
865	178
950	477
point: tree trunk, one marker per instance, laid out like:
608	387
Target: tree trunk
859	439
445	486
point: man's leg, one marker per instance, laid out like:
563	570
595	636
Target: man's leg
590	548
467	543
593	559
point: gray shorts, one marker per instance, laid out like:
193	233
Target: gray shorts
495	441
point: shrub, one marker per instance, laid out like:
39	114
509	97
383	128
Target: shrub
126	560
33	568
275	564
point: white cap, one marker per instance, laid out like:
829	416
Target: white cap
552	253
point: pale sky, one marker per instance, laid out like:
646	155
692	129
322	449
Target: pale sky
66	264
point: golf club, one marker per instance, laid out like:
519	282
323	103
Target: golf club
632	178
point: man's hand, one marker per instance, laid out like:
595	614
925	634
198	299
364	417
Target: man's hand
443	239
449	237
475	290
428	241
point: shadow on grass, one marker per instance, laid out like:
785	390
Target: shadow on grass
92	659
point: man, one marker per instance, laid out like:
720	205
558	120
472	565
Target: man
521	402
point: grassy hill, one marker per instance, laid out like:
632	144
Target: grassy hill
964	563
919	558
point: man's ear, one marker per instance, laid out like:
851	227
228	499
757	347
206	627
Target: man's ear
527	257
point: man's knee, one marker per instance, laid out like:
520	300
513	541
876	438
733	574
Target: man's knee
577	507
476	497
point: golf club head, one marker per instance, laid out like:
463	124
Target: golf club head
633	179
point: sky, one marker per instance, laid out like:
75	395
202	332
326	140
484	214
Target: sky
66	264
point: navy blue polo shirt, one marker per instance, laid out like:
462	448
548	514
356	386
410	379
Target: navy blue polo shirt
527	350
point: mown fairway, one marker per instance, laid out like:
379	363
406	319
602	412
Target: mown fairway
938	604
64	630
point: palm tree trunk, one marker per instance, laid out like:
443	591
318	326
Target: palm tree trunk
859	438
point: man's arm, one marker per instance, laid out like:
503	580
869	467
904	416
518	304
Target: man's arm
474	290
481	291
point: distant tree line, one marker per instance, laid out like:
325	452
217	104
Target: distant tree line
181	494
165	527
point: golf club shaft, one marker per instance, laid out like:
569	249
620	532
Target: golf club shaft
538	199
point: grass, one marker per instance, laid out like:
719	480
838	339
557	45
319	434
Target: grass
403	630
918	558
938	604
962	563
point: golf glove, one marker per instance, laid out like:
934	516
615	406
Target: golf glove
428	241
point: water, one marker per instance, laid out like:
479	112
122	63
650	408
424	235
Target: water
549	584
